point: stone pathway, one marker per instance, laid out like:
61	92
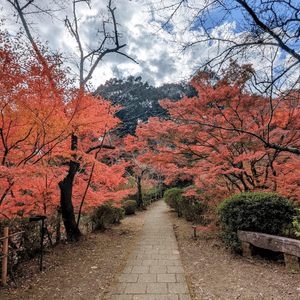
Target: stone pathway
154	270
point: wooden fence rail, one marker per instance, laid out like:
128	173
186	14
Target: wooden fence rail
4	257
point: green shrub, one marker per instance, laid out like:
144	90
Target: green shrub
106	214
192	209
129	207
153	194
188	207
294	230
172	197
259	212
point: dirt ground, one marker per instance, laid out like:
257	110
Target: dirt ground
90	268
215	273
83	270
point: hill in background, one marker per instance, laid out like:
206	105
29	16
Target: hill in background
140	100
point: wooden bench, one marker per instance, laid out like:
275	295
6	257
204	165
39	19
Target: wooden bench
289	247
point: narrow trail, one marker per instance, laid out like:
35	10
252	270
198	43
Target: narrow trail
154	270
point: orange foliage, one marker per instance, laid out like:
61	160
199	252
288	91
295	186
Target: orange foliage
220	138
38	115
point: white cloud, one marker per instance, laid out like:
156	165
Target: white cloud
158	55
158	52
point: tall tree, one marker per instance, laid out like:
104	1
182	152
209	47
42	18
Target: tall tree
37	119
138	169
88	60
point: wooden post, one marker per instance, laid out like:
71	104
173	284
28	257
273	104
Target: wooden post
4	260
247	248
195	232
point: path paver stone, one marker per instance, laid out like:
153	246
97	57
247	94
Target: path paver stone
140	269
178	288
175	269
128	278
167	297
147	278
180	278
166	262
157	288
144	297
158	269
166	278
154	270
150	262
184	297
135	288
121	297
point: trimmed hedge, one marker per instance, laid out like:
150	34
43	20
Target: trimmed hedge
129	207
191	209
172	197
257	211
188	207
106	214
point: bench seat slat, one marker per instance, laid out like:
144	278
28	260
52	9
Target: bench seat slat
271	242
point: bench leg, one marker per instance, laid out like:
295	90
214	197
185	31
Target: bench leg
291	262
247	248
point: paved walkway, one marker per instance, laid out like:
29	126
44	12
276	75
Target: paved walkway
154	270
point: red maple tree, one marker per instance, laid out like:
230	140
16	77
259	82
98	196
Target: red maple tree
39	113
227	138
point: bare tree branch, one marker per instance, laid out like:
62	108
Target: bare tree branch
267	29
99	147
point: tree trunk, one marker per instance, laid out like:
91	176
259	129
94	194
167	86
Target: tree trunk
139	195
58	220
66	187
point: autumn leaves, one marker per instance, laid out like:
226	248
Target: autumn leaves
39	114
225	140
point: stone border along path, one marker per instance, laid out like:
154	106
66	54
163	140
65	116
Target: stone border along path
154	270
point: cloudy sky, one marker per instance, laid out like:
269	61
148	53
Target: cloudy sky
158	51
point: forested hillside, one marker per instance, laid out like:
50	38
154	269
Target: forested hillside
139	100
